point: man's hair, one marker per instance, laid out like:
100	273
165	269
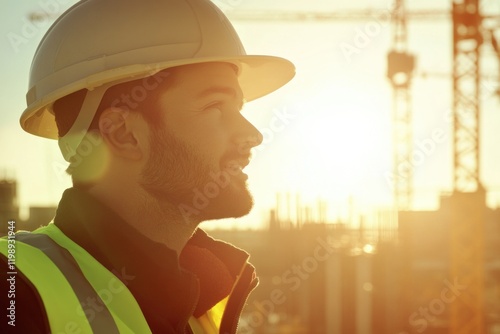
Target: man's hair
139	96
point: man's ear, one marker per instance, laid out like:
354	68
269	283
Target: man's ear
120	128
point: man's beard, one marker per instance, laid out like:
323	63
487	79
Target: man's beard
183	177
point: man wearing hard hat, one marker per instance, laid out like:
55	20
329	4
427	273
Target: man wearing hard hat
144	98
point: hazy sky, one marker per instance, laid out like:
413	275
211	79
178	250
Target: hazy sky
336	139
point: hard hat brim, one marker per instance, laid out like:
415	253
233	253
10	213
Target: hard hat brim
258	76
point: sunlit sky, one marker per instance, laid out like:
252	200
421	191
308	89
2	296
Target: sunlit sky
336	141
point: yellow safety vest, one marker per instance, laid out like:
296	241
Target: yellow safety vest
66	276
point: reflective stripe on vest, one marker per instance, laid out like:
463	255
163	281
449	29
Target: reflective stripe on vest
74	276
79	294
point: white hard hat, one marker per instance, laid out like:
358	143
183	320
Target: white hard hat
98	43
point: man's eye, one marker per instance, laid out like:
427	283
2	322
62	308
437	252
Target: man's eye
213	107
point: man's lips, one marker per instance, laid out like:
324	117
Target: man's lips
236	164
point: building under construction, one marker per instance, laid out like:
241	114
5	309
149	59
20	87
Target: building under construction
441	275
9	209
320	277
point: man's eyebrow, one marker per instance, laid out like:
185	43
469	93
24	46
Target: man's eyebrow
217	90
220	90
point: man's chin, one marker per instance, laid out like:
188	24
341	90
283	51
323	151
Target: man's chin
230	202
232	206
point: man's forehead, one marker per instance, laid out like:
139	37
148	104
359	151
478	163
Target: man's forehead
209	78
217	89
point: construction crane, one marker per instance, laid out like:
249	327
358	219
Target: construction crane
400	66
468	200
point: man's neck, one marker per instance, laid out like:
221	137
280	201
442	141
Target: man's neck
161	222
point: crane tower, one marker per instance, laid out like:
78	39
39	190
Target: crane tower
468	198
399	71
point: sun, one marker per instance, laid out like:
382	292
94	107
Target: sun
338	149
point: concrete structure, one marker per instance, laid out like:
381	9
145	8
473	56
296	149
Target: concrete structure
9	208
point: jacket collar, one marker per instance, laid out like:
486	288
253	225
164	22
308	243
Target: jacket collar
151	270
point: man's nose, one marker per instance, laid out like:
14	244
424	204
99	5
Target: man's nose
246	135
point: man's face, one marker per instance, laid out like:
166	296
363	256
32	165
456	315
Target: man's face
202	143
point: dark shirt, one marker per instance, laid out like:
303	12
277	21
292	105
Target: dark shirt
168	289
